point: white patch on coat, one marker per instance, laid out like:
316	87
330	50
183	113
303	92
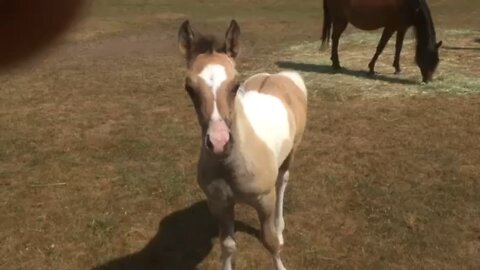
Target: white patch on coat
214	75
296	78
269	119
282	181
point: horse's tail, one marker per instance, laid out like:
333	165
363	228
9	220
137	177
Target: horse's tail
327	26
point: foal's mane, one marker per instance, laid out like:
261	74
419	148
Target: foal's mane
206	44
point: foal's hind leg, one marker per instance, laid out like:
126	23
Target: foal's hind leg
282	181
265	207
386	35
398	49
338	28
225	217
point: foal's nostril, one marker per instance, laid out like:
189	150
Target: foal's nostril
208	143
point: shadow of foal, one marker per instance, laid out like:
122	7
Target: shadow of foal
184	239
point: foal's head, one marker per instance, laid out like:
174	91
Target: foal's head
211	82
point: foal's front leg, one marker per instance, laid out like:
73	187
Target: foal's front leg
266	212
225	217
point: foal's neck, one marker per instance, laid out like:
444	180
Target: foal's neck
244	142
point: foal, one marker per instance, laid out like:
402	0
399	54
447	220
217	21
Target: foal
249	135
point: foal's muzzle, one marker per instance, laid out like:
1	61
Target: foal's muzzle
217	137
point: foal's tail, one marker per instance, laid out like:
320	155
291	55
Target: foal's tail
327	26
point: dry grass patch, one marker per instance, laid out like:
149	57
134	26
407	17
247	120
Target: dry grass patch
457	74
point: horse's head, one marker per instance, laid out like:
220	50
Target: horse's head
211	81
427	61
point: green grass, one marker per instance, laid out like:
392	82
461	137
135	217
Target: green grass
356	50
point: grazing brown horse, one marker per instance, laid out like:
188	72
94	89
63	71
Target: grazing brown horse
249	133
394	16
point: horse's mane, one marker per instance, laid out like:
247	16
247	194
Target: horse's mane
424	28
428	18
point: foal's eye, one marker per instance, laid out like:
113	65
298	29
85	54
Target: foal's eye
189	89
188	85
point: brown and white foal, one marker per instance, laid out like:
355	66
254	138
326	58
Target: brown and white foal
249	134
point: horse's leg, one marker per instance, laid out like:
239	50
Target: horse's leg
225	216
386	35
282	181
398	49
265	207
338	28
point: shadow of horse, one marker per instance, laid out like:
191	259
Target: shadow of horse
462	48
184	239
456	48
327	69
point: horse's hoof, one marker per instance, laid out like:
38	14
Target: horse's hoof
397	72
371	73
336	67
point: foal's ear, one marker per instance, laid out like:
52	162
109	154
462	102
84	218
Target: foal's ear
232	44
185	37
439	44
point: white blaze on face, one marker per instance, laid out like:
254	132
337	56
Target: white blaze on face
218	133
214	76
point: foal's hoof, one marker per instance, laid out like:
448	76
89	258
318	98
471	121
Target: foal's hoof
371	73
397	72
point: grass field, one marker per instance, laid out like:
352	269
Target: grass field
99	142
